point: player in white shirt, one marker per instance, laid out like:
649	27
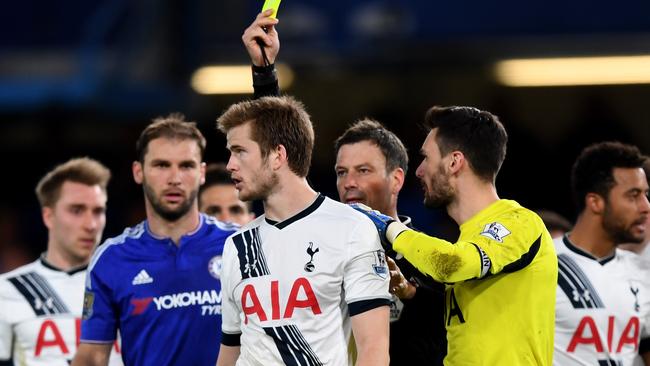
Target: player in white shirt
603	294
41	302
296	279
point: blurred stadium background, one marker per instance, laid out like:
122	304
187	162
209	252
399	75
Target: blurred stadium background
84	77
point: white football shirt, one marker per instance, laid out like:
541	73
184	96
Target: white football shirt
602	310
40	315
290	287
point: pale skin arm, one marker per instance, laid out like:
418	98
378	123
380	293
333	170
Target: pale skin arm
371	330
228	355
269	38
90	354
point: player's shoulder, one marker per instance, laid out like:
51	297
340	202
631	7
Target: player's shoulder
516	214
559	244
342	213
256	222
130	235
219	227
7	279
19	271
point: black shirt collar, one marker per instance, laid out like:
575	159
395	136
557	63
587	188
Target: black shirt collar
304	213
574	248
49	265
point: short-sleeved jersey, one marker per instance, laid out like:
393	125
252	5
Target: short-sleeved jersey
501	276
603	307
164	298
40	313
290	287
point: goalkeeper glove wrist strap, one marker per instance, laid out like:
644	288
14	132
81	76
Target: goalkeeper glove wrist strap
394	229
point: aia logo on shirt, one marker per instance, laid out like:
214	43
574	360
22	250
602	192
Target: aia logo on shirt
587	334
301	297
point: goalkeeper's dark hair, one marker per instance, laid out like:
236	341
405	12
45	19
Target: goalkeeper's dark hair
593	170
173	126
85	171
370	130
275	121
478	134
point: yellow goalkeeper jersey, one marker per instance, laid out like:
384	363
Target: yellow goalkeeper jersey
501	279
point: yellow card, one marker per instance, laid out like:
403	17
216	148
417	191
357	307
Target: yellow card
271	4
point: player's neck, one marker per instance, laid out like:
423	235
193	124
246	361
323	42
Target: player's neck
471	198
293	194
174	230
589	235
56	258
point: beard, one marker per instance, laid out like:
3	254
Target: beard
169	214
266	184
441	193
618	230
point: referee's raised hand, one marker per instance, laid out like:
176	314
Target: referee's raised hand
262	34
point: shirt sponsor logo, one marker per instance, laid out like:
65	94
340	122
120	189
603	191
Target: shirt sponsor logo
589	334
301	296
210	301
495	231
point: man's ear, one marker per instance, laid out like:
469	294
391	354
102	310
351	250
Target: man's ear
397	180
456	162
278	157
595	203
47	213
138	174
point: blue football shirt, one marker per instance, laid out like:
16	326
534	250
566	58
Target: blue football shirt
164	298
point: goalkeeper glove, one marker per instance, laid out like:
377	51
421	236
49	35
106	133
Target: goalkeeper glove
387	227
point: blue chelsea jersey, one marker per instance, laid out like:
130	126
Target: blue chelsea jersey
164	298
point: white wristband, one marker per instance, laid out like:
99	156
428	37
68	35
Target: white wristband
394	229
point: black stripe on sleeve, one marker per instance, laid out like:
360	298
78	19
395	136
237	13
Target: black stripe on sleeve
644	346
362	306
525	259
232	340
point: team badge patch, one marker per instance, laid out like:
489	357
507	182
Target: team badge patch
89	300
380	266
495	231
214	266
309	266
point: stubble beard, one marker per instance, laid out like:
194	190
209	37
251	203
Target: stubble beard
439	193
267	184
169	214
617	229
